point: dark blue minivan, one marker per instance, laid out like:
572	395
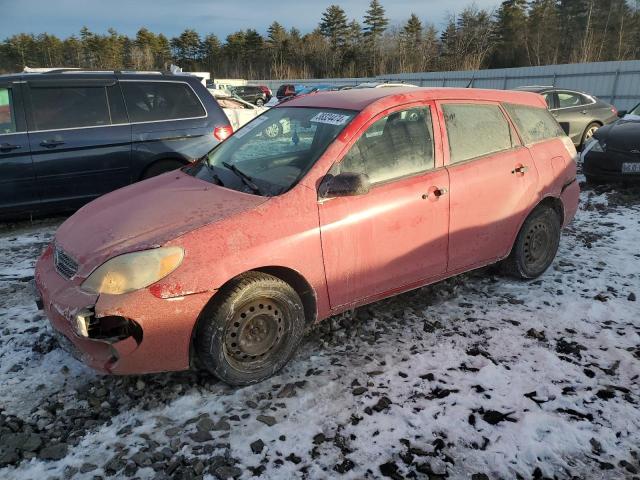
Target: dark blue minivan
69	136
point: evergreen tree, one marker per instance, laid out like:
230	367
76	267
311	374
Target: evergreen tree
375	20
511	26
334	26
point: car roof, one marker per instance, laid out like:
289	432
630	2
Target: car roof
74	74
359	99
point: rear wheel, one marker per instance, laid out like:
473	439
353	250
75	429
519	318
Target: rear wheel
259	102
160	167
536	244
250	330
588	133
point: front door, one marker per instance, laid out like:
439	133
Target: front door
395	235
493	183
80	139
18	189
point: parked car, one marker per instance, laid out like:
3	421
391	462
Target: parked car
613	153
237	110
69	137
252	94
579	114
224	263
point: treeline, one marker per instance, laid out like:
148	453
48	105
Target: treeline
519	33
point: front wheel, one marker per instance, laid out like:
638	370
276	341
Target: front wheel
250	330
536	245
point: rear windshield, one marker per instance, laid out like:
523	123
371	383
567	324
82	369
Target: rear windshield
534	124
274	151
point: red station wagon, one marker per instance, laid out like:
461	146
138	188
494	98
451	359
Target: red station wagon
368	193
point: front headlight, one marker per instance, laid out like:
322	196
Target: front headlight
133	271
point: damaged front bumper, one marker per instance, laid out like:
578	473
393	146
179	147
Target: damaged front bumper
133	333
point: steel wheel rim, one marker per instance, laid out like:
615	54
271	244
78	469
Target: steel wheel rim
255	334
537	245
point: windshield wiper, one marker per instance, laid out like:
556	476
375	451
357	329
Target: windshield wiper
213	173
246	179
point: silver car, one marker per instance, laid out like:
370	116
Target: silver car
579	114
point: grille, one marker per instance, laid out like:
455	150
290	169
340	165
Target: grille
65	265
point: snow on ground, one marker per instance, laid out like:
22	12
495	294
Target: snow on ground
478	377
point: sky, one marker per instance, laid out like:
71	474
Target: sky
66	17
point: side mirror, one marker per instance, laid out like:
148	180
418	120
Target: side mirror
622	113
345	184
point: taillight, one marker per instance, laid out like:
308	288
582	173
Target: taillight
265	90
614	110
222	133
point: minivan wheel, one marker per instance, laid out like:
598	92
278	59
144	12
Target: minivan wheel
160	167
536	245
250	330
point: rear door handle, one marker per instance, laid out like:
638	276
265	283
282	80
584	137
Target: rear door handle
51	143
520	170
7	147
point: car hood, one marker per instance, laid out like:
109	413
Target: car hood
146	215
623	135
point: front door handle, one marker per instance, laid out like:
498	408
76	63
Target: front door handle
51	143
520	170
584	112
7	147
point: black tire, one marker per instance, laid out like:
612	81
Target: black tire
250	330
536	245
260	102
588	133
161	167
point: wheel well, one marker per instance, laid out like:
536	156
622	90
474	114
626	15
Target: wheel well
554	203
179	160
300	285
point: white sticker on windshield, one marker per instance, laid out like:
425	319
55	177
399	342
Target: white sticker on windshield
330	118
250	126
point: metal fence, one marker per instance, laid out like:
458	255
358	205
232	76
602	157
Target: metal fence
615	82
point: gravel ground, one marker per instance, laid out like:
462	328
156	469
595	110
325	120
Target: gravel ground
478	377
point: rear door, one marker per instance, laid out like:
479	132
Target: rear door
572	113
80	139
395	235
493	182
18	189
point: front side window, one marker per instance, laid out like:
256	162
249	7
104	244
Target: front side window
69	107
534	124
476	130
154	101
270	154
395	146
7	115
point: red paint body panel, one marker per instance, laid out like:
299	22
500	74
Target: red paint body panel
350	250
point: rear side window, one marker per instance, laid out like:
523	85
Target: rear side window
69	107
395	146
476	130
154	101
534	124
7	116
568	99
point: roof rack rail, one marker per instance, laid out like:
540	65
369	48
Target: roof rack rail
88	70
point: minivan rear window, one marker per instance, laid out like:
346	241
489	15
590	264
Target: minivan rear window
60	107
155	101
534	124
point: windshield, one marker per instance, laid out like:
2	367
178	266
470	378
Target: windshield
270	154
635	111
